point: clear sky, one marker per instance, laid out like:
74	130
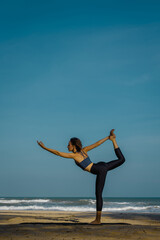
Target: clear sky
79	69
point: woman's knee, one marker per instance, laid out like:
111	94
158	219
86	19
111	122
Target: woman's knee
120	155
123	159
98	194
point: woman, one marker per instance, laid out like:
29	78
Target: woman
100	169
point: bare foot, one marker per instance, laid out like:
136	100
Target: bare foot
112	135
95	222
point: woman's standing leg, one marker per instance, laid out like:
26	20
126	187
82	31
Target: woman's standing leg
100	182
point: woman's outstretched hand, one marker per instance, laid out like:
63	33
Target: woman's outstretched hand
41	144
112	136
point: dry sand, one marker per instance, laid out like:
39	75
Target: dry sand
20	225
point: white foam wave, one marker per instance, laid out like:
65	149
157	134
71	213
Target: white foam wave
64	202
86	200
90	201
76	208
128	208
156	206
54	208
121	203
24	201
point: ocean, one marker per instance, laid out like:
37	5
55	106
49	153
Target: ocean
136	205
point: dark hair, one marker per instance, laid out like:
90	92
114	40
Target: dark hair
77	143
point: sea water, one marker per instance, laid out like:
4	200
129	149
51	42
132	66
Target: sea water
137	205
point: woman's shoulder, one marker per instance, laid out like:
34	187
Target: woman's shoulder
82	152
84	149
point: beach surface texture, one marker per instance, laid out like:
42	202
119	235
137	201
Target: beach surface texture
20	225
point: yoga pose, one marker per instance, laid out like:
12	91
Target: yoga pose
100	169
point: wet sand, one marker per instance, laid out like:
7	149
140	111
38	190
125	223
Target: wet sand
20	225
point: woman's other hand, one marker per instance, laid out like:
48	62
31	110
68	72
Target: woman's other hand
112	136
41	144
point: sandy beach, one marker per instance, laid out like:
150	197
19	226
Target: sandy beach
48	225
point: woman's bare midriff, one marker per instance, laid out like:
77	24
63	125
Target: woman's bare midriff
88	168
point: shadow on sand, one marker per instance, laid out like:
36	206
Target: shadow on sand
74	223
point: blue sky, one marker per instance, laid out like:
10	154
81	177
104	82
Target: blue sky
78	69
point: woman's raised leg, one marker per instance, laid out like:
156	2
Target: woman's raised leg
101	176
115	163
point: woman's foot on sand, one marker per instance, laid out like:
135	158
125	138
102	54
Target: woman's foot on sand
95	222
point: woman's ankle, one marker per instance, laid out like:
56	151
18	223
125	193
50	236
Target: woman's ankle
115	143
98	215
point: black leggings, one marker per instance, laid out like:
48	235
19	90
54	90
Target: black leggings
101	169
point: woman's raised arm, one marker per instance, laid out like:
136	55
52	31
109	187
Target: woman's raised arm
58	153
90	147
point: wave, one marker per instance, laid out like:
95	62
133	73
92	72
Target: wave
86	200
92	201
129	208
121	203
78	208
24	201
89	201
79	204
54	208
